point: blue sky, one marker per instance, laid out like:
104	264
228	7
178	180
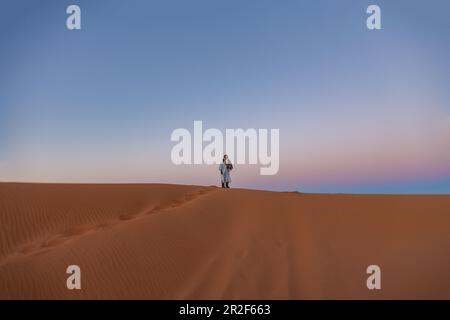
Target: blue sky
358	110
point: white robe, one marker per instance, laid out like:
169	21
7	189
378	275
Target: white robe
225	173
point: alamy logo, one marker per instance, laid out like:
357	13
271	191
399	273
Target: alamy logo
258	147
73	21
74	280
374	280
374	20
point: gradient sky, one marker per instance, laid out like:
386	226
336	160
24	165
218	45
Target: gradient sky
358	110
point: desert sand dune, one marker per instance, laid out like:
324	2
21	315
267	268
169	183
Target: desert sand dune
156	241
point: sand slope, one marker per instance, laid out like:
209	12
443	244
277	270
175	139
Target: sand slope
160	241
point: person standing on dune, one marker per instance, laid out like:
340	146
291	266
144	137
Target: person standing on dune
225	168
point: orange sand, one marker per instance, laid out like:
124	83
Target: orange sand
156	241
